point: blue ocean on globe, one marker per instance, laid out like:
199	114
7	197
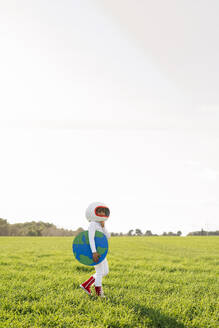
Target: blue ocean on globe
82	251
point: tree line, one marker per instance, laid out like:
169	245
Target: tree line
34	229
49	229
204	233
148	233
138	232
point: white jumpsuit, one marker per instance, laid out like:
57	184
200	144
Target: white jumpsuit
102	268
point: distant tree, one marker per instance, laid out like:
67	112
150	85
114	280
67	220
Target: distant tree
203	233
148	233
138	232
130	232
164	234
79	230
32	233
114	234
4	227
179	233
213	233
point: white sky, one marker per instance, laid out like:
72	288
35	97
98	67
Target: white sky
112	101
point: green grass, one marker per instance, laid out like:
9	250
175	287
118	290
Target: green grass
153	282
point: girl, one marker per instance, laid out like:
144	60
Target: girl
96	214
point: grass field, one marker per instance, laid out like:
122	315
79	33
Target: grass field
153	282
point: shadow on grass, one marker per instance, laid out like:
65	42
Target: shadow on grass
154	318
157	318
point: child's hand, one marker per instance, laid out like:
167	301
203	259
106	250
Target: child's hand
96	257
102	224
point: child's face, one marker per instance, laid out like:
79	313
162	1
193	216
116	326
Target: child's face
101	212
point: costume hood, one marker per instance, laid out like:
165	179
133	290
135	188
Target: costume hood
91	212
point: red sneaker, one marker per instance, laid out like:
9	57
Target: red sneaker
99	291
87	284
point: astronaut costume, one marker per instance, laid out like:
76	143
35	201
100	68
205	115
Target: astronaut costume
102	269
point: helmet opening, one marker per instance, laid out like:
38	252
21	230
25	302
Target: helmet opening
102	211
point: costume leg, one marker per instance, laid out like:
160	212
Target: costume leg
105	267
99	274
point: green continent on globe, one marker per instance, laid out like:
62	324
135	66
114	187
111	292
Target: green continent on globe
99	234
79	238
86	260
101	250
86	237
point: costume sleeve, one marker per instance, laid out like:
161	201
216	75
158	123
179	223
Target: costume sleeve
108	234
91	234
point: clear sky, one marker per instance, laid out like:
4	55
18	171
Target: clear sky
112	101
